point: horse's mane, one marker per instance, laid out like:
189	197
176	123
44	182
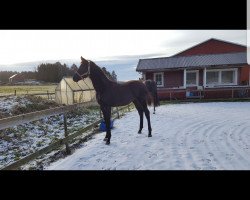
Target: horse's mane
102	74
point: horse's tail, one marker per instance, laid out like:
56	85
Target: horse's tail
152	89
150	98
156	99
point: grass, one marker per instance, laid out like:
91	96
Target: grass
23	89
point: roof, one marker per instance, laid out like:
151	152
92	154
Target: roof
239	58
81	85
207	41
13	76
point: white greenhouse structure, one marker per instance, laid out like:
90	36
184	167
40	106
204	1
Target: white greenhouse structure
69	92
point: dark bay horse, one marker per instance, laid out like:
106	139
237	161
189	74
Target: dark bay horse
152	88
111	94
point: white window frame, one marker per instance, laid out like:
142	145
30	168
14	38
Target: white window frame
162	76
144	76
197	77
219	77
235	70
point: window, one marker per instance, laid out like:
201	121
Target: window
213	78
158	77
192	78
227	77
221	77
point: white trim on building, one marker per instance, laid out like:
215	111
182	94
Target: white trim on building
197	77
220	83
162	79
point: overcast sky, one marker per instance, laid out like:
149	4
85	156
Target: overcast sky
18	46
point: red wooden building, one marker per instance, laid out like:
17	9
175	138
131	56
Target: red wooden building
212	69
17	78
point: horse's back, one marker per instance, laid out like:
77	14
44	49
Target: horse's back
135	83
131	83
138	88
123	93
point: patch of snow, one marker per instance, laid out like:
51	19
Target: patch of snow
22	140
194	136
8	103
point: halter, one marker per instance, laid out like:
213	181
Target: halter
86	73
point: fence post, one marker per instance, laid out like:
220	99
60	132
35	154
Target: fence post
66	132
117	111
232	93
48	94
15	92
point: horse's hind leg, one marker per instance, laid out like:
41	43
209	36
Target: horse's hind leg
155	101
139	108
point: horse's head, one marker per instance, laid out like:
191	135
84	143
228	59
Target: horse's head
83	71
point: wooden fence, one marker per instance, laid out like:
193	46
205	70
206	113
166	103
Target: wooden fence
47	94
206	93
29	117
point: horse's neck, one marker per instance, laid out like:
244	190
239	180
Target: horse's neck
99	79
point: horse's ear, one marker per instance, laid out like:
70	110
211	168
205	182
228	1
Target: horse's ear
82	59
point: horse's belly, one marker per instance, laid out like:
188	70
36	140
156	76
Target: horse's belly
123	102
120	100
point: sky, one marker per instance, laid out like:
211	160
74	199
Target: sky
19	46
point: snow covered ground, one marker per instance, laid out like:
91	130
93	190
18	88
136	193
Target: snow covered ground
22	140
8	103
193	136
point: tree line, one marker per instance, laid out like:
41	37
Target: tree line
48	72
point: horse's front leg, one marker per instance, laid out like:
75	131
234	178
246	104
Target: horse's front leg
104	117
108	132
141	120
106	110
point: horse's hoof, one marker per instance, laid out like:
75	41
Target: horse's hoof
153	112
149	135
107	142
139	132
105	139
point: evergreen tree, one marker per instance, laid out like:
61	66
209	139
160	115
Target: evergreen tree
53	72
114	76
73	67
5	75
48	72
108	74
